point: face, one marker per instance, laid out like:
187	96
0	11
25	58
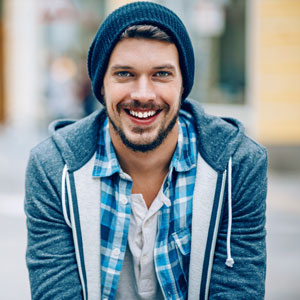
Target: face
142	91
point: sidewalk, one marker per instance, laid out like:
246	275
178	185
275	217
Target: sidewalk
283	237
283	224
14	150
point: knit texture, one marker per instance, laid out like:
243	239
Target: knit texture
146	13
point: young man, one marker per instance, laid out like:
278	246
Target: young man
149	197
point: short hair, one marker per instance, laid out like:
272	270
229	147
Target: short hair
146	32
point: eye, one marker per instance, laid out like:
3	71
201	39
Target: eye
124	74
162	74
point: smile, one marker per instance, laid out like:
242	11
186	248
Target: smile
142	115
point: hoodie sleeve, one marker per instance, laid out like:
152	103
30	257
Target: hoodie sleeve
246	279
50	254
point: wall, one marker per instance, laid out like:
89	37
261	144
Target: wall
21	64
279	72
2	85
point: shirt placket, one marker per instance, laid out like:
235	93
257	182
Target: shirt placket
119	244
161	257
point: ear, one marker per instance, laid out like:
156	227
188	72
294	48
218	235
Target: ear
182	90
102	100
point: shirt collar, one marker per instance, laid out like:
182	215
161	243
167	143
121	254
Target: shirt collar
106	163
184	157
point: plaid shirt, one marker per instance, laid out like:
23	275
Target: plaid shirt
173	241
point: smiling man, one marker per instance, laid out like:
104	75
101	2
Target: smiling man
149	197
143	94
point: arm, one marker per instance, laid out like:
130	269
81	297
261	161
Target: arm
50	254
246	280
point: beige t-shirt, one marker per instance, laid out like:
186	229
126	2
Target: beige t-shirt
138	280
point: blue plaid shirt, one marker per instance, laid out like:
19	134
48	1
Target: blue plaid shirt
173	241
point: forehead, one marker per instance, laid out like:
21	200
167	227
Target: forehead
137	50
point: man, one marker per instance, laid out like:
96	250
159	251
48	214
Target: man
149	197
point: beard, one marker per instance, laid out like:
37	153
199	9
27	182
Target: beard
146	146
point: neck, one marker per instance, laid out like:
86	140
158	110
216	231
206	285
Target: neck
152	162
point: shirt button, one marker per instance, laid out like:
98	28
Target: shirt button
115	253
123	200
144	259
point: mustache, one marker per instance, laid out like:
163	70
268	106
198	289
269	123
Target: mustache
135	104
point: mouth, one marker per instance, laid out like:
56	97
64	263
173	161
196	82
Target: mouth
142	114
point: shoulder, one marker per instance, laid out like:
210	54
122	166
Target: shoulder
71	142
250	154
249	177
45	164
222	138
77	141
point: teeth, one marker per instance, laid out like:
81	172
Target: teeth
142	115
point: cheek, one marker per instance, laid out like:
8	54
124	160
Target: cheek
173	95
115	92
110	96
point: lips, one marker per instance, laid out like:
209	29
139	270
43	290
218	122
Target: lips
142	114
142	117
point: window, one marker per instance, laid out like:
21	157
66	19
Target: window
217	29
67	30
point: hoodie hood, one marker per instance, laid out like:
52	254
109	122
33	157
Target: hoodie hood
218	138
77	140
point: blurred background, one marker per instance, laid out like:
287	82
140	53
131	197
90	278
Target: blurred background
247	67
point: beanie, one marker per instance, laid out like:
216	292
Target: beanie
139	13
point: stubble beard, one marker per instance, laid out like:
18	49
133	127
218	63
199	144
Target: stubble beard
146	147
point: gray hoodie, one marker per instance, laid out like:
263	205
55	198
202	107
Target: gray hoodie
228	252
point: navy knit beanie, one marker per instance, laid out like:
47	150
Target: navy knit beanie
144	13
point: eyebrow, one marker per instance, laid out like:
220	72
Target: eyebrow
118	67
124	67
167	66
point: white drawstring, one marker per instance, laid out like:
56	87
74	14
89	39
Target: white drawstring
65	179
229	261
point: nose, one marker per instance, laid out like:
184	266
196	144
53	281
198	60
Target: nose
143	90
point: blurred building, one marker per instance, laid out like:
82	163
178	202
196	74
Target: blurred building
277	78
247	63
2	70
